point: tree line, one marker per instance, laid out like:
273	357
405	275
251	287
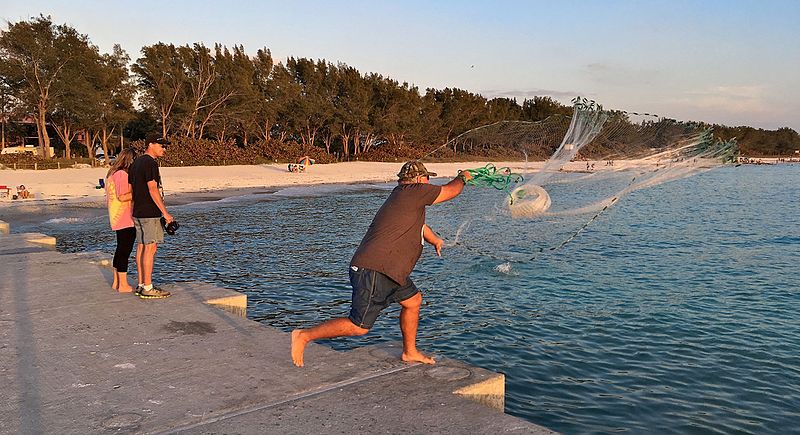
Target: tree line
222	104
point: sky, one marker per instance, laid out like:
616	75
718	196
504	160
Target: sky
729	62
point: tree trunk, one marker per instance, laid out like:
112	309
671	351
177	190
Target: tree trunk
327	139
221	135
66	134
356	141
67	151
166	109
189	126
311	134
90	143
104	141
266	130
212	110
345	141
41	126
345	144
163	122
368	139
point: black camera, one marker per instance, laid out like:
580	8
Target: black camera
170	228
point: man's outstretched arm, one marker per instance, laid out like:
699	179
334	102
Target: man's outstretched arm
454	187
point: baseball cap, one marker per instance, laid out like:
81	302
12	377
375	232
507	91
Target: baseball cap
156	138
412	169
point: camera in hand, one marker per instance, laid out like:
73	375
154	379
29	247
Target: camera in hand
170	228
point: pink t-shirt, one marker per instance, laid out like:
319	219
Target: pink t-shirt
120	213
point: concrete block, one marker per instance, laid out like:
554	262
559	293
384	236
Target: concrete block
225	299
474	383
490	392
41	239
12	244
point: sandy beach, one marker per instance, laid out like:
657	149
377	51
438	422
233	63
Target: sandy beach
81	184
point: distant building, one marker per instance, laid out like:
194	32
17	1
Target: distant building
23	138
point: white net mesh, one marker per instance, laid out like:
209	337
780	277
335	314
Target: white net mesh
649	149
616	152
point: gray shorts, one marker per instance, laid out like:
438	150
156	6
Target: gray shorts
148	230
372	292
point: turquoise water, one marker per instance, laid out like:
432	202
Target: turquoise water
677	310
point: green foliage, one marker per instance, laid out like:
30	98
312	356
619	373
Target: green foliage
757	142
40	68
222	105
56	75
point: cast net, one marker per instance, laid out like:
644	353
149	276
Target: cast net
603	154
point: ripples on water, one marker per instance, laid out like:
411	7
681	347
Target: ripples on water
675	311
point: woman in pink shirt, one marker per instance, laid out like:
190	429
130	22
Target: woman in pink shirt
120	215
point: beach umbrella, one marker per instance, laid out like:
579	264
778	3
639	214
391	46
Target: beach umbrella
305	161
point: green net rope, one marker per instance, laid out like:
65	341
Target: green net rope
491	176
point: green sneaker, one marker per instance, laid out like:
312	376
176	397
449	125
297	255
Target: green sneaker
153	293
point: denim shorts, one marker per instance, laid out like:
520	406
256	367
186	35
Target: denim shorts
372	292
148	230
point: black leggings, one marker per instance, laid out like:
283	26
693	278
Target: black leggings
125	239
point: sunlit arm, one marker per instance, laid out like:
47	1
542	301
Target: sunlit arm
454	187
127	196
152	187
432	238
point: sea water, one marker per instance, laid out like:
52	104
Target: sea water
676	310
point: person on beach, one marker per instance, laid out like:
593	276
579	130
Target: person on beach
380	267
148	209
119	200
22	192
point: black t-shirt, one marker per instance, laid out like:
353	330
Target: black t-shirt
144	169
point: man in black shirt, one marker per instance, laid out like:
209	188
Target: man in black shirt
148	209
380	268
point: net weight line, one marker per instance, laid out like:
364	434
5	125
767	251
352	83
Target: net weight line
580	230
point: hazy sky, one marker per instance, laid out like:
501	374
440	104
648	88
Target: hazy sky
731	62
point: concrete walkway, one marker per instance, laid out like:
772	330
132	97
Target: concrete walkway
76	358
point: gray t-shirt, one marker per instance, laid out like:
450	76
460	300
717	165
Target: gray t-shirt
393	242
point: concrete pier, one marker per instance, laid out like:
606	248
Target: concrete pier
76	357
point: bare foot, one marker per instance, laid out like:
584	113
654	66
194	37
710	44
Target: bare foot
127	289
298	348
417	356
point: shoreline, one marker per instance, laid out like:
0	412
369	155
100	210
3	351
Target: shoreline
57	186
72	190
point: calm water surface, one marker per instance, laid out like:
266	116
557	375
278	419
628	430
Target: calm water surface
677	310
